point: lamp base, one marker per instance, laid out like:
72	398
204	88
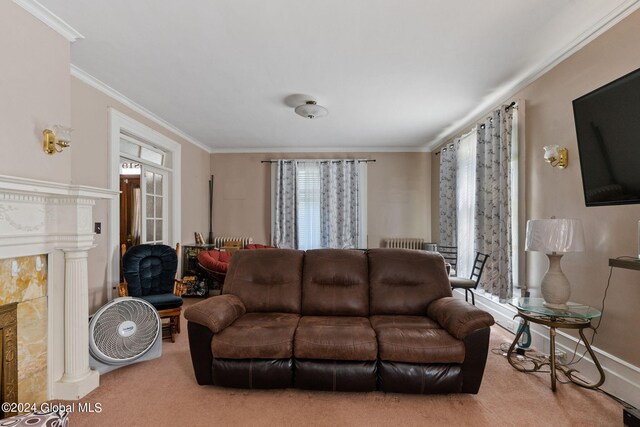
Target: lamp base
555	285
556	306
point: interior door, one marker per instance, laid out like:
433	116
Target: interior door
155	204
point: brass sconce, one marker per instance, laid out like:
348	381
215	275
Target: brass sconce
556	156
60	136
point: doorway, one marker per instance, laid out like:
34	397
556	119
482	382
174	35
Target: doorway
130	204
144	200
145	167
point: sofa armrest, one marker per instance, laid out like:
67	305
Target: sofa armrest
458	317
216	313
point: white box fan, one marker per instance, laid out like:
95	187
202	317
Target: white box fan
124	331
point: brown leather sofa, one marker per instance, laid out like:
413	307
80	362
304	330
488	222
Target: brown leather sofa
345	320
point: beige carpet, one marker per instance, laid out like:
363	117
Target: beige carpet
164	392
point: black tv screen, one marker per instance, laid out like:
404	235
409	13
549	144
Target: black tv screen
608	129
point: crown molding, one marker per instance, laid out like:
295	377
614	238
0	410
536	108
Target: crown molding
510	90
87	78
49	18
341	149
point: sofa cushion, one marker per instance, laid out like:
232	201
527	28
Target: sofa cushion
335	338
266	281
415	339
335	282
402	322
257	336
404	281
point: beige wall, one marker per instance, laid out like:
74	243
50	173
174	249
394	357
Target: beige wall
34	89
90	119
398	194
609	231
38	92
34	95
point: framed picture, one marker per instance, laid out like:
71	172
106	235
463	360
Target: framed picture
199	238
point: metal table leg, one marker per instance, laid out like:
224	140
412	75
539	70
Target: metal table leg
552	357
577	380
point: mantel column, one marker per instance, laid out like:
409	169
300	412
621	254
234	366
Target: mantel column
78	379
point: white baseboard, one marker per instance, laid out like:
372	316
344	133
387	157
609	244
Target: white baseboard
622	379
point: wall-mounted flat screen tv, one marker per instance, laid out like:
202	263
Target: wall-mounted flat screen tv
608	129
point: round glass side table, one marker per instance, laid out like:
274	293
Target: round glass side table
575	316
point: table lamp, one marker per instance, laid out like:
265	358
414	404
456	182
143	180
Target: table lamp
555	237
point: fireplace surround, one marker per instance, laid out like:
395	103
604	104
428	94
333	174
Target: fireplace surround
56	220
8	355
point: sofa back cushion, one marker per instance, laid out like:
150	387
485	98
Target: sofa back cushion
335	282
404	281
266	281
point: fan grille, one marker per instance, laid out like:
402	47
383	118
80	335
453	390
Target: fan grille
109	345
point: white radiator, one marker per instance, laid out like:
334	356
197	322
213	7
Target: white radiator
404	243
220	241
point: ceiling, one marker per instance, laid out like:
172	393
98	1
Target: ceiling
394	75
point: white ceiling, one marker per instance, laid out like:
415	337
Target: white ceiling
394	75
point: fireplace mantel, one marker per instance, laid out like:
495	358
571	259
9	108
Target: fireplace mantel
40	217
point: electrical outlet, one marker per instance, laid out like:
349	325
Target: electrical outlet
97	228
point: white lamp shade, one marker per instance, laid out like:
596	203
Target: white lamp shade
62	133
550	152
554	235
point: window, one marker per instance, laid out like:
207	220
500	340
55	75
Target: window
319	204
308	205
465	202
479	200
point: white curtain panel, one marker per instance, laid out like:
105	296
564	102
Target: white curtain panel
493	202
339	213
466	199
284	224
448	213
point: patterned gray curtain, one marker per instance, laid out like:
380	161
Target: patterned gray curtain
339	196
493	202
285	233
448	216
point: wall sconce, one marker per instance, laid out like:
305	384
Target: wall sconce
60	136
556	156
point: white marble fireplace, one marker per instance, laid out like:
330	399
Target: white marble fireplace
52	220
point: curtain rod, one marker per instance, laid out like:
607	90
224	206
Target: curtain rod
513	104
321	160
